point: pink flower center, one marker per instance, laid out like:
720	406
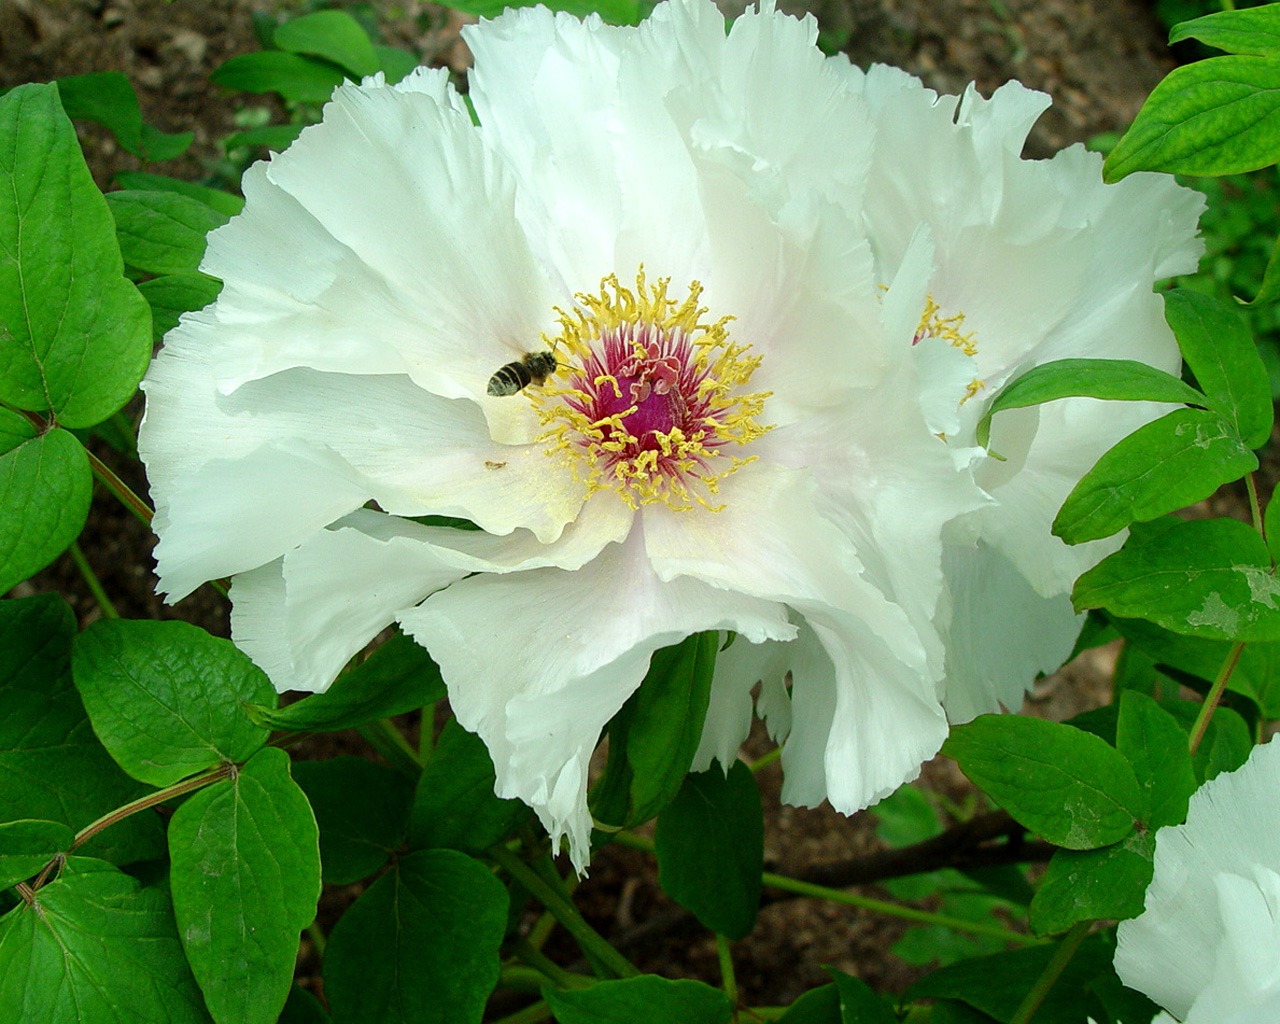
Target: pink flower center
653	396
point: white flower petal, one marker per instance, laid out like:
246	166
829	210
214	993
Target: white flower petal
1000	633
401	179
1183	941
537	662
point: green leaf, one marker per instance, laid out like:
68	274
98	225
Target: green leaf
859	1003
1091	884
75	336
298	79
1155	745
997	984
1226	746
95	948
1123	379
226	203
398	677
1257	671
302	1008
165	698
245	879
174	294
615	12
51	764
395	63
455	805
107	98
1214	117
710	846
1065	784
1269	290
45	487
28	845
333	35
1164	465
162	232
362	810
1208	577
1217	345
653	738
1271	524
420	946
817	1006
1255	30
276	137
647	998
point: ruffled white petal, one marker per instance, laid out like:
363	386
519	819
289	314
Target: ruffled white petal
1214	902
537	662
872	717
1000	634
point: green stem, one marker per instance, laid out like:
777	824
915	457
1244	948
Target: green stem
591	941
141	510
92	582
316	934
823	892
1213	696
765	760
160	796
1255	510
1053	970
958	924
727	980
542	963
389	741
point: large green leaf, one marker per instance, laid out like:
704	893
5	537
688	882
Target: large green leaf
171	295
1253	30
420	946
455	805
1155	746
28	845
1164	465
75	335
162	232
51	764
297	78
1063	783
45	487
1118	379
107	98
1217	345
710	845
245	880
226	203
653	738
398	677
362	810
95	947
1208	577
166	698
1086	885
859	1003
1217	116
997	984
333	35
647	998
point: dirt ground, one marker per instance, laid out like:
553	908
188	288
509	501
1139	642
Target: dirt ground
1097	58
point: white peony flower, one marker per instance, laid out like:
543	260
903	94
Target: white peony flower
1207	945
730	419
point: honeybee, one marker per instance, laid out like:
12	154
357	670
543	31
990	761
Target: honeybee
531	368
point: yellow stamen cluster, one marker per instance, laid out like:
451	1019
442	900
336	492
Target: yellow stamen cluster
681	467
949	329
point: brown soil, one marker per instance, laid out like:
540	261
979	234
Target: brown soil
1098	58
